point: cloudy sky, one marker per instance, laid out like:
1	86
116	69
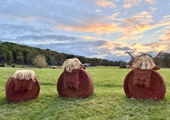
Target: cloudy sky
92	28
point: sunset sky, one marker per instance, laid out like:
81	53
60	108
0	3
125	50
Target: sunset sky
92	28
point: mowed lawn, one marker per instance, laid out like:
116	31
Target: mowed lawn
108	102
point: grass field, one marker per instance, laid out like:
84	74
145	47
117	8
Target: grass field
108	102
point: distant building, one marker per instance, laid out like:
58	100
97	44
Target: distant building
54	67
87	64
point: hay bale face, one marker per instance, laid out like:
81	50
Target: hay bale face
143	82
22	86
74	81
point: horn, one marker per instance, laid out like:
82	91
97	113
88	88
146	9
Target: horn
159	53
130	55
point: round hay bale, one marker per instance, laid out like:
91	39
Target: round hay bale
138	84
21	90
78	83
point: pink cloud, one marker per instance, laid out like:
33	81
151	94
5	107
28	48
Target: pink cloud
129	28
166	36
105	3
150	1
127	5
99	28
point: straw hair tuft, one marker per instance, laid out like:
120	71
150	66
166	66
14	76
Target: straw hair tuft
71	64
144	62
24	74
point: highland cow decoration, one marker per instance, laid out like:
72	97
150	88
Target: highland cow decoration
75	81
143	82
22	86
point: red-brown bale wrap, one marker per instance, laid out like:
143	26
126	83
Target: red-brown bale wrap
143	89
22	86
74	81
143	82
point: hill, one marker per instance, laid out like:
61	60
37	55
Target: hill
13	53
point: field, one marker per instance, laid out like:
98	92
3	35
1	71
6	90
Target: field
108	102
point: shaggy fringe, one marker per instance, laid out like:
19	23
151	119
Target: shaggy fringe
71	64
144	62
24	74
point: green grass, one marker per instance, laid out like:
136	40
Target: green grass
107	103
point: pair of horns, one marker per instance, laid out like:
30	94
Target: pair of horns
155	56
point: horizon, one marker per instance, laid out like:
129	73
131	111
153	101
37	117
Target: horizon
103	29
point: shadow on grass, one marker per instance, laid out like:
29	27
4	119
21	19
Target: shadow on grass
4	101
48	84
59	99
143	102
108	85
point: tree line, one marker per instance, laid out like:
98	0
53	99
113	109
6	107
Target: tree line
13	53
163	60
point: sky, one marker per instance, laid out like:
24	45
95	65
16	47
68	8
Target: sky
103	29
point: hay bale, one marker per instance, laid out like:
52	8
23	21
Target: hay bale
145	88
22	86
74	81
143	82
76	84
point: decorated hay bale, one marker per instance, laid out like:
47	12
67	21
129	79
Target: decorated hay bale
75	81
143	82
22	86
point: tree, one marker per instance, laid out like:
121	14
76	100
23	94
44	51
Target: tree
10	57
122	64
50	60
39	61
60	58
166	60
19	58
3	58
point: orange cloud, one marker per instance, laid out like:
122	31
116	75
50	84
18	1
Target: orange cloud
113	17
167	17
108	45
90	38
166	36
131	37
150	1
105	3
140	23
156	47
127	5
99	28
142	27
130	3
129	28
